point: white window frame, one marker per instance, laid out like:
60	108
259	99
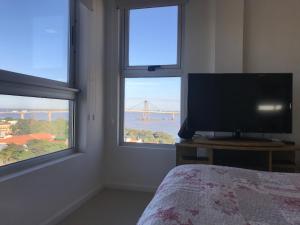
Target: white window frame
18	84
127	71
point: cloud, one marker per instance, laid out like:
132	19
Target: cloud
50	31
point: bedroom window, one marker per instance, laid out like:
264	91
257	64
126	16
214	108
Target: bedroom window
37	94
151	75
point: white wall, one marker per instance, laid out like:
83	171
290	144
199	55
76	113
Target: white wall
229	36
125	166
144	168
38	196
272	31
219	36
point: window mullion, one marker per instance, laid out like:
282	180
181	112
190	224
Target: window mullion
37	91
18	84
157	73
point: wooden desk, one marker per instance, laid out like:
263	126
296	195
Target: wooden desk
186	153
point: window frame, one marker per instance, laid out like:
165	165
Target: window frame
135	70
127	71
18	84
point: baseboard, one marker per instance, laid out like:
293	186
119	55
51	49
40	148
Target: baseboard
62	214
131	187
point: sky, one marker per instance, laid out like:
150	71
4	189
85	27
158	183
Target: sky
20	102
153	36
34	37
153	41
34	41
162	93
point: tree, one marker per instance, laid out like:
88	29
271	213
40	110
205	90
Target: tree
149	136
41	147
59	128
21	127
12	153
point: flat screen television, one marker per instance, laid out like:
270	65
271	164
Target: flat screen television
258	103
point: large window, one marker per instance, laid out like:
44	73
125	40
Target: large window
36	79
150	75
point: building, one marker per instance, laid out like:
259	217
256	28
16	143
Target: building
5	129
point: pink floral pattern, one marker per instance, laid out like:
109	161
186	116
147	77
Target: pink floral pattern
208	195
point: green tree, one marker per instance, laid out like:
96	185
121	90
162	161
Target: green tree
41	147
60	129
11	153
149	136
22	127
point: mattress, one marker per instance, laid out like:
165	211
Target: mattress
209	195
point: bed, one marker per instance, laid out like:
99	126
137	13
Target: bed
209	195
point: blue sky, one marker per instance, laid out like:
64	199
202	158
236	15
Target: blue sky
34	41
153	36
153	41
34	37
20	102
162	93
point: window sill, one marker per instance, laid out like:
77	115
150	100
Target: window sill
14	170
142	146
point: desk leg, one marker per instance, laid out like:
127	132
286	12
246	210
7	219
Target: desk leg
210	156
270	161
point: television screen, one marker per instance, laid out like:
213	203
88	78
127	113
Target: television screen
240	102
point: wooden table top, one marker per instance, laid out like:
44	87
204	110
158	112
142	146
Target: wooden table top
238	145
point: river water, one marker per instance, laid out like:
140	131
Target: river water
155	122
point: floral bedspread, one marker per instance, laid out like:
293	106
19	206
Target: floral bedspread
216	195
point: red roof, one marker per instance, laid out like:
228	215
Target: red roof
23	139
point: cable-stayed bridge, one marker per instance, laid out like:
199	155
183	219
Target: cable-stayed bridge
22	113
147	108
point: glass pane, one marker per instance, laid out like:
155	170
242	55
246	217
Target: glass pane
153	34
34	38
152	110
31	127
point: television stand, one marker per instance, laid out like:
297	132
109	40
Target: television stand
234	138
276	157
242	141
237	136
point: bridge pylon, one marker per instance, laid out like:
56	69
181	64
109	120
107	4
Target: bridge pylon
22	115
145	115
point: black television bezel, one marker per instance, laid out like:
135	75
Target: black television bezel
244	130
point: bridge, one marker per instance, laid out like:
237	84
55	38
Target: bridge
22	113
147	108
